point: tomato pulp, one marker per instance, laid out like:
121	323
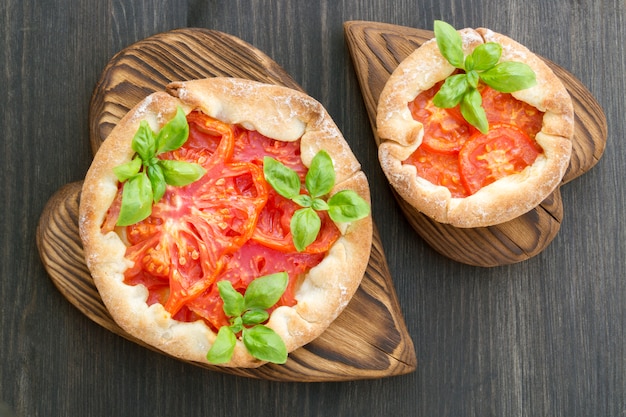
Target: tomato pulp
230	224
456	155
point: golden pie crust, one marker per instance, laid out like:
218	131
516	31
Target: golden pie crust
276	112
504	199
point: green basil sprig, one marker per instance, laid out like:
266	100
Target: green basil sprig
145	177
344	206
246	313
481	65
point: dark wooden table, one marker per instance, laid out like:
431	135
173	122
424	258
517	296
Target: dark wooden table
544	337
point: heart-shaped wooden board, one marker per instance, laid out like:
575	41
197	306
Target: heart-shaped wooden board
368	340
376	50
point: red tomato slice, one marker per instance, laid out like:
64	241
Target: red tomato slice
251	146
440	169
503	108
448	141
203	232
503	151
109	223
273	228
252	260
208	138
193	228
445	130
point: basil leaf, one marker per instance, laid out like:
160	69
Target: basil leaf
236	324
127	170
509	76
319	205
451	91
469	63
473	112
472	78
284	180
155	174
347	206
174	134
303	200
136	200
305	225
265	344
233	300
180	173
485	56
263	292
143	142
251	317
450	43
320	178
223	347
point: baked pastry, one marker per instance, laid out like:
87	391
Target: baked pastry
158	277
449	170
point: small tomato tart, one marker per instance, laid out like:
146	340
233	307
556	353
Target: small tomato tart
453	172
159	276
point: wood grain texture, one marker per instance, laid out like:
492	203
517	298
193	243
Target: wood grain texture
353	347
177	55
376	50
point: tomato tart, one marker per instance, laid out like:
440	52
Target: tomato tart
159	276
444	166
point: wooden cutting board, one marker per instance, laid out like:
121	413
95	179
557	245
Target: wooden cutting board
368	340
376	50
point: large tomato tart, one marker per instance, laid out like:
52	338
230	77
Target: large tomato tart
453	172
159	277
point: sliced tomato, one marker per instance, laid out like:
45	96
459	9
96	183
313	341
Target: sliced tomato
274	227
193	228
204	133
110	220
440	169
215	220
203	232
208	306
251	146
251	261
207	137
210	141
447	133
503	151
503	108
445	130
